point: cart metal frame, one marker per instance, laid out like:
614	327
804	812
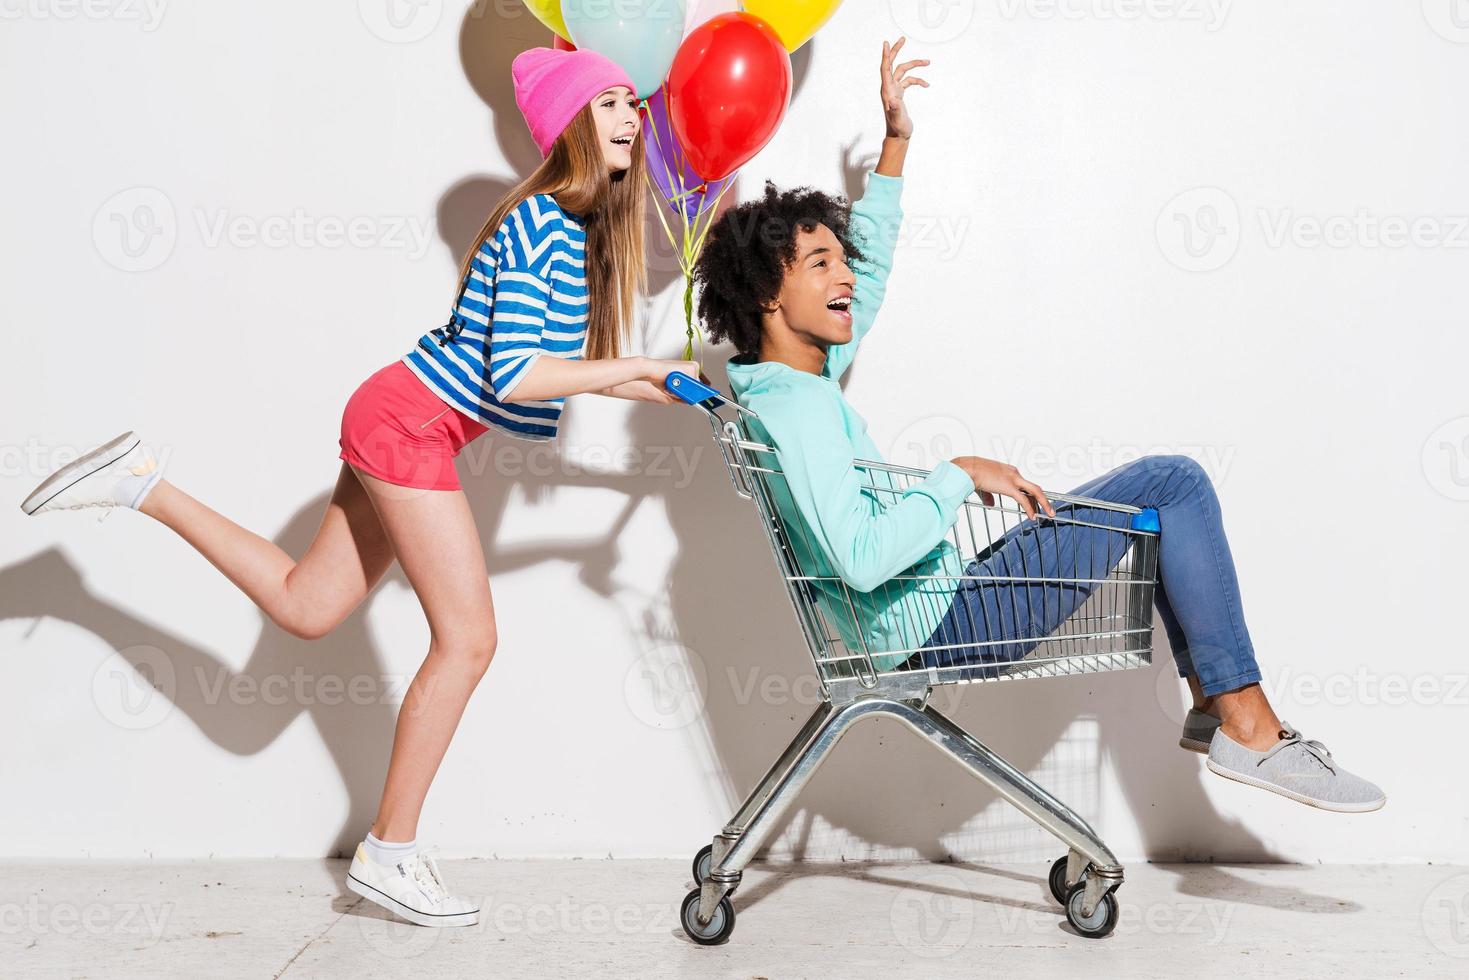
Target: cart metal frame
1111	631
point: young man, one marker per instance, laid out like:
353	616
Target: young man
794	281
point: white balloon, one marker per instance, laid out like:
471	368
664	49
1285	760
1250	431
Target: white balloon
698	11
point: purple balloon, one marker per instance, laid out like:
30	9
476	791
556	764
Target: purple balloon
669	165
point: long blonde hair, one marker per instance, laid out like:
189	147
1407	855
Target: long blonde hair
575	174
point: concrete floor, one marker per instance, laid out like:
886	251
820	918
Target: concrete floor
612	919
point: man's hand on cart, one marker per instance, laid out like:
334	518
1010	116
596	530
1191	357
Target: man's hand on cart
991	476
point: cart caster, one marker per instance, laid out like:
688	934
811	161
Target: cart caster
1102	920
702	862
1057	879
720	924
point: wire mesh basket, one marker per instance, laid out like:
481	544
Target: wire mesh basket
1003	597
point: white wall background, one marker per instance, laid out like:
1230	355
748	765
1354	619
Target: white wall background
1066	298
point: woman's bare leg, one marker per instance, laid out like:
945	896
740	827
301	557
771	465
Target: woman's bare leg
434	536
307	598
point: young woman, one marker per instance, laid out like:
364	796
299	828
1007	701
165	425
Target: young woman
544	302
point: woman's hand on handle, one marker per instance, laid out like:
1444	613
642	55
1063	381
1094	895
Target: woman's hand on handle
991	476
558	377
659	370
648	386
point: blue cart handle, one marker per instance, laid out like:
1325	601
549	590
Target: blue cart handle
696	392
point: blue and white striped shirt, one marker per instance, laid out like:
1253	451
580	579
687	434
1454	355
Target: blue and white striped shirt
526	295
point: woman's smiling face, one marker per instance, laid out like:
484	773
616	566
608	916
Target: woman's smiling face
616	113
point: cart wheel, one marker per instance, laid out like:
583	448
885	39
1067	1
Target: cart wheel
1102	920
719	926
1057	880
702	861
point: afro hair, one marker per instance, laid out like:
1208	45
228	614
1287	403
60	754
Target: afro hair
748	251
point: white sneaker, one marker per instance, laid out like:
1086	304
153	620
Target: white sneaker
412	889
106	477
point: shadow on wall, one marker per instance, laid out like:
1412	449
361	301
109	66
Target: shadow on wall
727	608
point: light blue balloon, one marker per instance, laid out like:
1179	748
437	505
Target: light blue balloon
640	35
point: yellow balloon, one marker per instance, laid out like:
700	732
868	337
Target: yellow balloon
548	12
794	20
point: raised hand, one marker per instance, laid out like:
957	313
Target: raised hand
894	84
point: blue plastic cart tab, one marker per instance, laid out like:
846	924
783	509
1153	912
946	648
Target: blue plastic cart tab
1146	521
690	390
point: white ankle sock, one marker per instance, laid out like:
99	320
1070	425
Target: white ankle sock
388	853
130	490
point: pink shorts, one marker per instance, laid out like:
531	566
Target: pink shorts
397	429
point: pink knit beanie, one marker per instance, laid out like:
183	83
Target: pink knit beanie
552	86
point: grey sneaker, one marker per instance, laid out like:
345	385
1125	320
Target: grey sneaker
1296	768
1198	731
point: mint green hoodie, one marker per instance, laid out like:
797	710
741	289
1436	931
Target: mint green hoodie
839	529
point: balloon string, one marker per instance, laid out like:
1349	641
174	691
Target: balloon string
693	235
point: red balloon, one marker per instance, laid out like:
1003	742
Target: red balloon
561	44
728	90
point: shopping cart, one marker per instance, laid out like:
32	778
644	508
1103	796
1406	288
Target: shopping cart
1049	624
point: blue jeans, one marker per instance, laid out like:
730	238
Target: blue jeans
1197	595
